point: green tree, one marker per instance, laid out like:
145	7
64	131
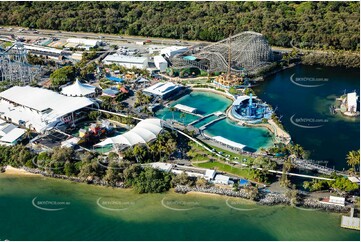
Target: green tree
353	158
62	75
181	179
69	169
113	174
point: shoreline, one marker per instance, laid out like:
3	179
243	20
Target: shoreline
206	89
196	193
277	132
9	170
265	199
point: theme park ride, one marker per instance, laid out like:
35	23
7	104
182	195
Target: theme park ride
246	51
14	66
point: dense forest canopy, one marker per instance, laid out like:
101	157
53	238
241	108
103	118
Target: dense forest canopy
315	24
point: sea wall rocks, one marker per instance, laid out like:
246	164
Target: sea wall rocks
214	190
268	199
313	203
274	199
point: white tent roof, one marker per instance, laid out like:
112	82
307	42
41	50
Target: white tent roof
228	142
145	131
40	108
78	89
42	99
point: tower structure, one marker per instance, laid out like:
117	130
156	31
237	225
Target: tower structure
14	66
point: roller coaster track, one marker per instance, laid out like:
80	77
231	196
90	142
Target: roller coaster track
249	50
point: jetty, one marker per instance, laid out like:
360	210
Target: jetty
312	165
350	222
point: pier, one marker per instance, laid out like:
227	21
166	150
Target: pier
311	165
350	222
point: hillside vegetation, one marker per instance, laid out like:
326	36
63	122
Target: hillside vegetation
310	24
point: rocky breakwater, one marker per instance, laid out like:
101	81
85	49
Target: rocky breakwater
214	190
267	199
314	203
274	199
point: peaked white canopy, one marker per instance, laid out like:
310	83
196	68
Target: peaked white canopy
144	132
78	89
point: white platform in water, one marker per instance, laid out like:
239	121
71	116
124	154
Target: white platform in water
185	108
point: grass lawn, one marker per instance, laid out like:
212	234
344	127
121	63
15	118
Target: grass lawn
225	168
7	44
241	157
200	156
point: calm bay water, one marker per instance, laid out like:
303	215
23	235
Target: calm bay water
309	106
143	217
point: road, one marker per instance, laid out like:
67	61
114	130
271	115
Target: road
110	38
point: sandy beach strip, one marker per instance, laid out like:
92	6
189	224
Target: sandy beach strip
204	194
9	170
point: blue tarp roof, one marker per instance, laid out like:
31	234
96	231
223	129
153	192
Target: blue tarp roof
243	182
115	79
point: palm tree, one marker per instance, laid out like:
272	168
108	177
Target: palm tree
28	133
353	158
172	109
182	116
299	151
